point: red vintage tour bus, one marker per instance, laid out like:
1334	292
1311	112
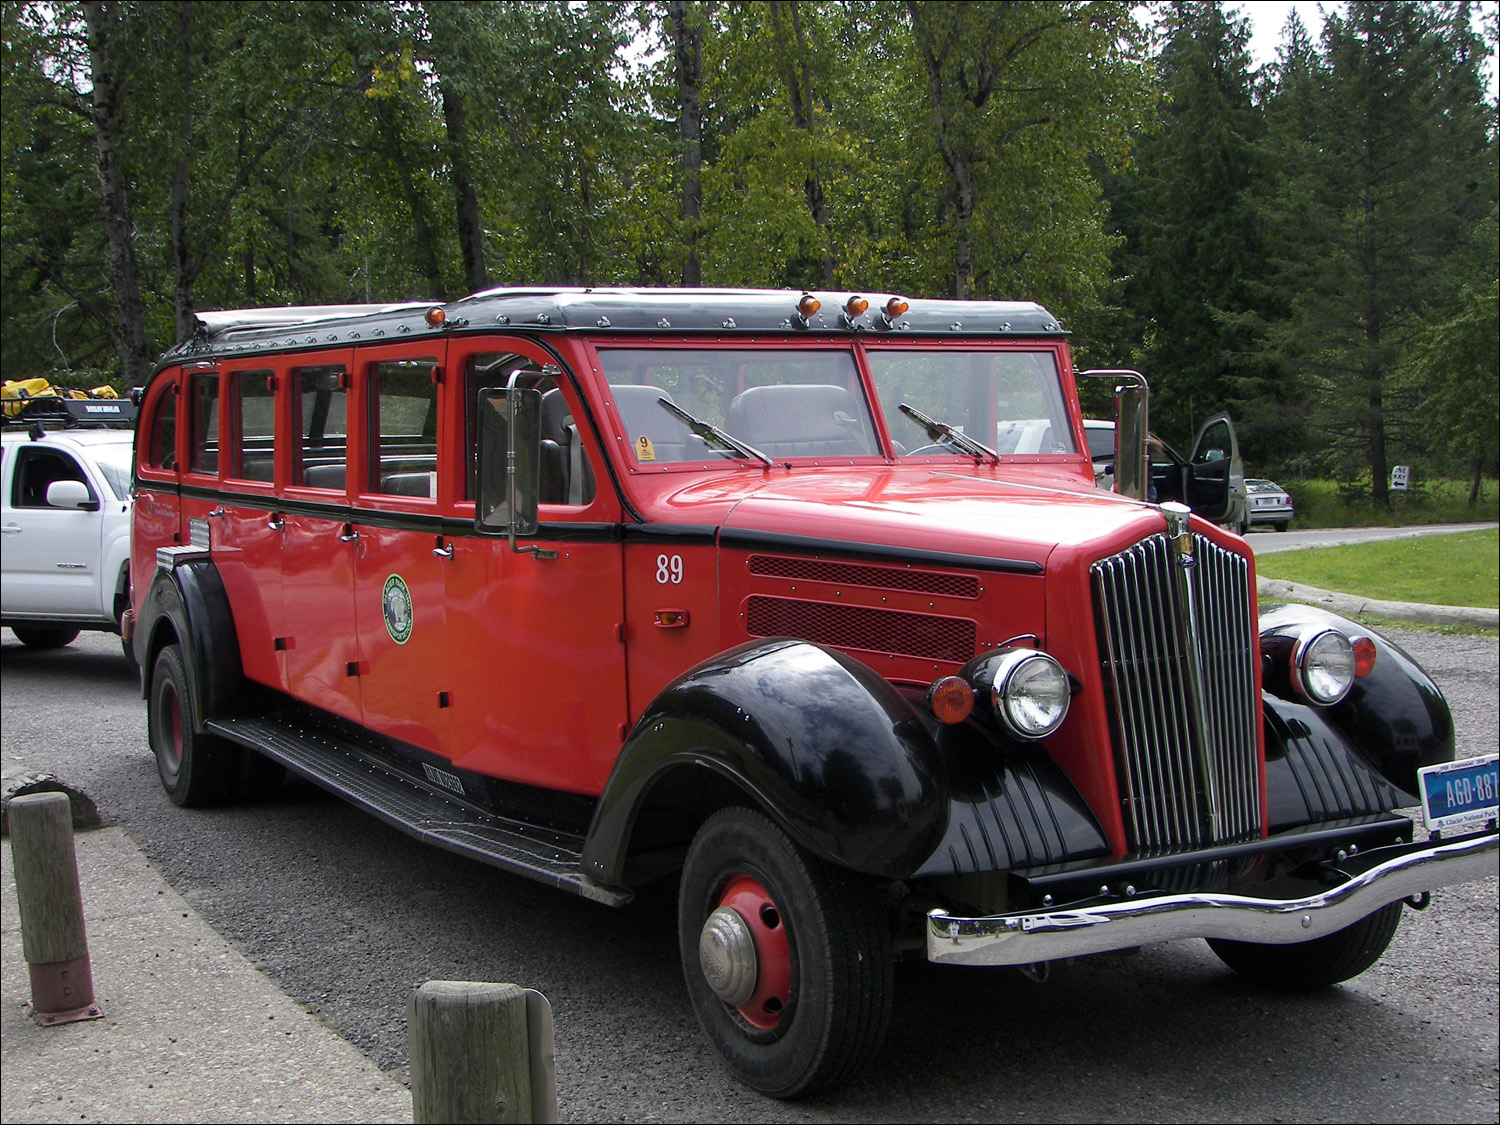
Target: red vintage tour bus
808	601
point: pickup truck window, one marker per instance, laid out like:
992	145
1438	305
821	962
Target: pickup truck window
1010	400
783	402
39	468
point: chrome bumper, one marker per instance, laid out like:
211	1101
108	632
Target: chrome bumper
1023	939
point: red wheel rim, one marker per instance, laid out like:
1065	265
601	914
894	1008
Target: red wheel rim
773	954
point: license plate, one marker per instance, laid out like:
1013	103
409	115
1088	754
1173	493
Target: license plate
1458	793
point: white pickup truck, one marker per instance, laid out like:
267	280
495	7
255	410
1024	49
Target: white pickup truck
66	529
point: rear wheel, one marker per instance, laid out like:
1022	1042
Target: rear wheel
44	636
196	769
1324	961
787	958
1283	526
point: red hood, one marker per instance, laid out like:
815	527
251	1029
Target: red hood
949	511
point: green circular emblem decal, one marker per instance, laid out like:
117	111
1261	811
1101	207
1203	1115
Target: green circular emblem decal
395	601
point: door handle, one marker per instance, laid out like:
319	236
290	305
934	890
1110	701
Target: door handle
349	534
11	529
277	522
443	550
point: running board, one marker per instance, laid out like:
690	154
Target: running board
543	854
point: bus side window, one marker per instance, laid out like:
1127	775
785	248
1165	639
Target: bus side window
320	398
204	453
403	428
566	476
252	405
162	450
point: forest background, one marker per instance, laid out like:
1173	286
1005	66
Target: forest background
1313	245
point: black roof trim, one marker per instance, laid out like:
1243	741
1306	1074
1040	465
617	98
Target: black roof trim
720	312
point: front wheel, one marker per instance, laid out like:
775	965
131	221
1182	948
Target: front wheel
1307	965
44	636
196	769
787	958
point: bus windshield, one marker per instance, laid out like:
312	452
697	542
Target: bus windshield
781	402
1011	401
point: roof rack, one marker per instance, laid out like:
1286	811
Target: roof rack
72	412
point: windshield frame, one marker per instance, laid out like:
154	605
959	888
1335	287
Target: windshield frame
866	351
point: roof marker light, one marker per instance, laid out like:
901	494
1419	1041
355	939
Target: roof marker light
435	317
895	307
855	306
808	305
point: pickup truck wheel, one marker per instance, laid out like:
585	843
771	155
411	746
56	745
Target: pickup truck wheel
44	636
1307	965
196	769
787	959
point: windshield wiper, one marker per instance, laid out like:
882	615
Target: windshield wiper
940	431
710	432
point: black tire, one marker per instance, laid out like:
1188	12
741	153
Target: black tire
196	769
1319	963
1283	526
44	636
829	1019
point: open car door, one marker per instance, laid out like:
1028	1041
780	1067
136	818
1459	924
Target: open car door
1211	481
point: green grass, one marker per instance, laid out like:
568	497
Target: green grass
1461	569
1326	503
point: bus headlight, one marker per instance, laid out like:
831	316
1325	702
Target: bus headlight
1323	666
1029	692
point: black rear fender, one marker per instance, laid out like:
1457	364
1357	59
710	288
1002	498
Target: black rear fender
187	605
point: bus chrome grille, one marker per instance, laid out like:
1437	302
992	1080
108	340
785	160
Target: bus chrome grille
1178	655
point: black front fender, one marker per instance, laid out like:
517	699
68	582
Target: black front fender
1395	718
820	742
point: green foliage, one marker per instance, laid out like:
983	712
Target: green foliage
1460	569
1347	503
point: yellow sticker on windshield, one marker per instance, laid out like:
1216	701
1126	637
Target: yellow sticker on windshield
644	450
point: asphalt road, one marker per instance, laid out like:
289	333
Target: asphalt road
1267	541
348	916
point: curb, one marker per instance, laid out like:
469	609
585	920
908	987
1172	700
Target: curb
17	781
1351	605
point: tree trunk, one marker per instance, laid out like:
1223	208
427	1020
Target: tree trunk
470	229
129	330
687	45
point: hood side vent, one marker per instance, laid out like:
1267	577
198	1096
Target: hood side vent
936	582
923	635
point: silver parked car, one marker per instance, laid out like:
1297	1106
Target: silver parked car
1269	504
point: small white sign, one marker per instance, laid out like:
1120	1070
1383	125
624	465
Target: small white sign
1400	478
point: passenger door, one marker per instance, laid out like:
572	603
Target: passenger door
539	658
51	553
320	641
402	557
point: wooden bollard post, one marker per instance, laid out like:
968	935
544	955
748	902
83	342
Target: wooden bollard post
480	1053
51	907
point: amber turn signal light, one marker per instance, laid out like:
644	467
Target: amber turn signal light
951	699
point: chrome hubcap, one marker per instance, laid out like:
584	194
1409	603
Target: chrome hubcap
726	953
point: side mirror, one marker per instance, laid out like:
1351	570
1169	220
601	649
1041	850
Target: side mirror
71	494
1132	400
509	463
